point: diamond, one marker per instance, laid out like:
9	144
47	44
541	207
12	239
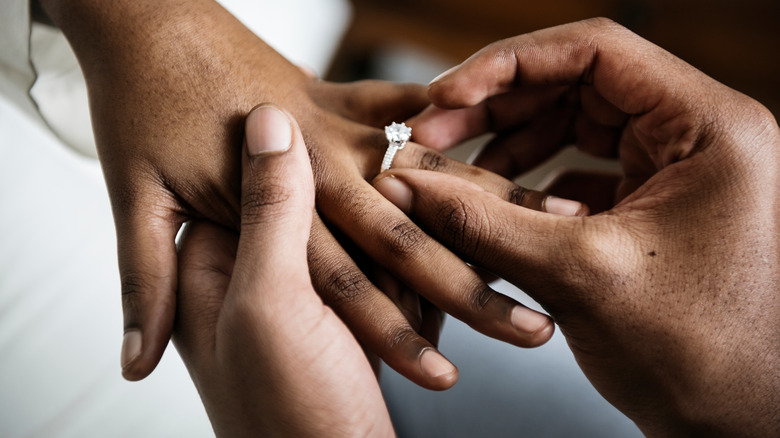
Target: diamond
398	133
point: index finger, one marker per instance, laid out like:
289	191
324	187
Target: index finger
628	71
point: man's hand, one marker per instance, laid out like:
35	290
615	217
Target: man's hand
268	357
169	83
669	300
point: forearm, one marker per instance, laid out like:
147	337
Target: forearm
129	37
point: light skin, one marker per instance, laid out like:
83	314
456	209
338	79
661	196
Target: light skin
170	82
669	300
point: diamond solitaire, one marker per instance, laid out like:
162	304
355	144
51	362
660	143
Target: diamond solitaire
397	135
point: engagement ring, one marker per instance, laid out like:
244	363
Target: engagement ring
397	136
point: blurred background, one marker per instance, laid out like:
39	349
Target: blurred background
735	42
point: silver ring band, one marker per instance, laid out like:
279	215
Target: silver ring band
397	136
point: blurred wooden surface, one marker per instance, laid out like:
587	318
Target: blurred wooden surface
736	42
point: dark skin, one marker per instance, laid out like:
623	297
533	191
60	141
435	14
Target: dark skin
169	83
669	300
249	318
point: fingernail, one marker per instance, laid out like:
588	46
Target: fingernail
131	347
433	364
528	321
396	191
268	130
564	207
446	73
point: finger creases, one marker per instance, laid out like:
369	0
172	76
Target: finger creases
147	267
376	321
420	157
277	193
388	236
515	243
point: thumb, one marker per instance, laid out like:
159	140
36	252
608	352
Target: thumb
277	202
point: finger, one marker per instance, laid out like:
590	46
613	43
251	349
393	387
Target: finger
206	257
595	138
406	300
598	190
388	236
442	129
277	199
529	249
375	103
372	316
597	51
148	272
516	152
599	109
637	165
432	321
416	156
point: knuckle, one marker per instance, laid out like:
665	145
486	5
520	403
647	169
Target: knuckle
432	160
405	239
602	26
602	23
595	31
757	116
258	201
480	296
400	336
462	229
140	291
517	195
527	198
345	286
135	285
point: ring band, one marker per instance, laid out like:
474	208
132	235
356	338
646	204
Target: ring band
397	135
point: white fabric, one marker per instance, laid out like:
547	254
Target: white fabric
16	72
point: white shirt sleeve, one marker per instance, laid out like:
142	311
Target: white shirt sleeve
17	74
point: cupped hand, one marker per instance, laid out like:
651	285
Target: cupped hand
267	356
668	300
169	83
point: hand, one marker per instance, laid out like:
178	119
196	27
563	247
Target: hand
169	83
669	301
267	356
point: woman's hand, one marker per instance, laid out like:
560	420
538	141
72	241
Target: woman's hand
169	84
267	356
669	300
